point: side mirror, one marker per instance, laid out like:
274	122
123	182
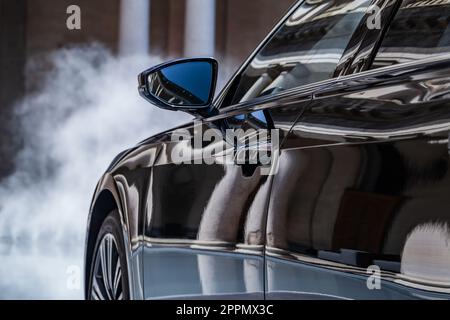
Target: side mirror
186	85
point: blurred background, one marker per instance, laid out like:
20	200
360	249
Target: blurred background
69	104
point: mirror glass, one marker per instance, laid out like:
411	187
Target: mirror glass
187	84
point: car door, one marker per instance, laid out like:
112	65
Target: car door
362	211
205	218
204	223
316	42
202	235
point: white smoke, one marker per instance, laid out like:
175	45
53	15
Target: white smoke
82	113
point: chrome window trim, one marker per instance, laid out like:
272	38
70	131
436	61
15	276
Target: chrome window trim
312	88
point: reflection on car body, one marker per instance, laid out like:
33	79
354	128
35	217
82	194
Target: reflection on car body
363	180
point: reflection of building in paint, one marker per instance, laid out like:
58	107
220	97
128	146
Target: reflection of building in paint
306	49
416	19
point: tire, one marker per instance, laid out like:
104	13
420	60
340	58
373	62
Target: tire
108	279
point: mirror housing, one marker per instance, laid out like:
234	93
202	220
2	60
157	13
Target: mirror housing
181	85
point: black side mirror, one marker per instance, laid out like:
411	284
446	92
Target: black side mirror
186	85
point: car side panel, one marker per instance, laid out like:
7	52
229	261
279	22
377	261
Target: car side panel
204	227
202	236
362	191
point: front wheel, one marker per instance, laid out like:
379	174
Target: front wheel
109	276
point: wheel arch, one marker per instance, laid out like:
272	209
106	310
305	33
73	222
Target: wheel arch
103	204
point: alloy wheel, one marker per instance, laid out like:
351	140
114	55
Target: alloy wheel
107	276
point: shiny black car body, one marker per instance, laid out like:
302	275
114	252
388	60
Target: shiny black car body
359	207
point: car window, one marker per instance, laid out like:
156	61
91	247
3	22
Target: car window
306	48
419	30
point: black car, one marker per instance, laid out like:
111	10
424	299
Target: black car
344	193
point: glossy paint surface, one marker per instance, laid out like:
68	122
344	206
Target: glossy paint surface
362	181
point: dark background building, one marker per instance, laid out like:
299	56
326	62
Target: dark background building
226	29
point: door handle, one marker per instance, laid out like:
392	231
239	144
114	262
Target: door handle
250	158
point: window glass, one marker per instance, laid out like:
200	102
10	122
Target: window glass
306	49
419	30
